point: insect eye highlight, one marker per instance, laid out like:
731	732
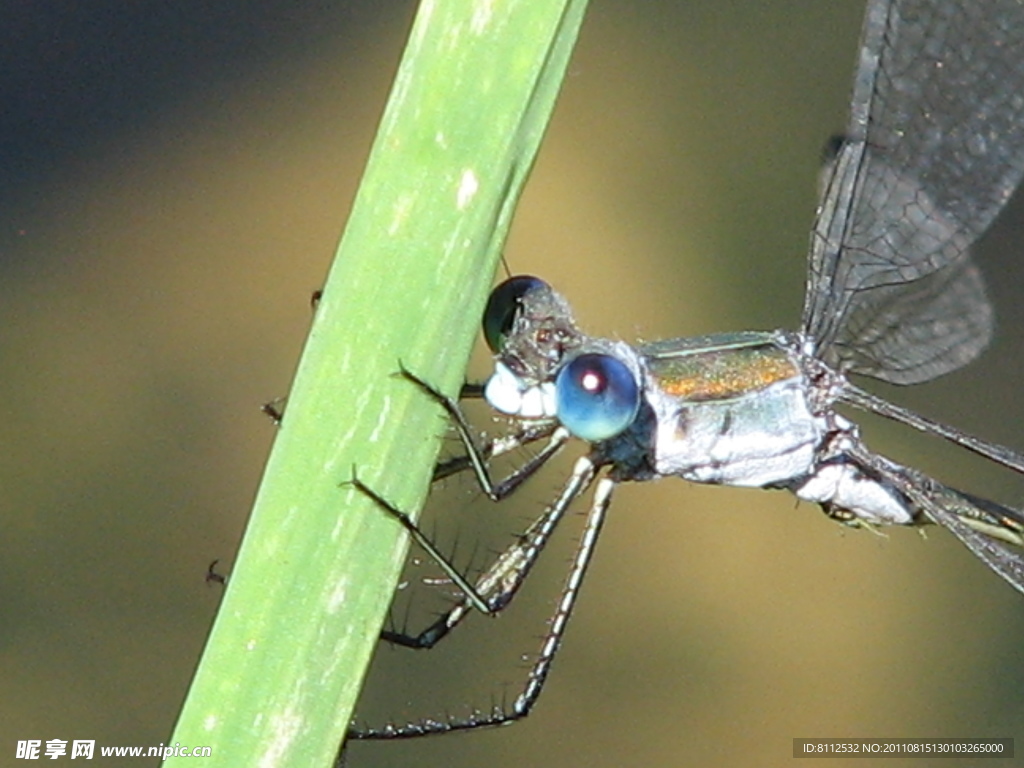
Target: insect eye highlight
596	396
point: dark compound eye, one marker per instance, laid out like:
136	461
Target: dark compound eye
504	306
596	397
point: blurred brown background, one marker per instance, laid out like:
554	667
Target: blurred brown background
173	181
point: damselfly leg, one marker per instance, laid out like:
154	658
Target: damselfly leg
476	456
495	588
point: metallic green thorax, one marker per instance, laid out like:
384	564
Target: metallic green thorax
719	367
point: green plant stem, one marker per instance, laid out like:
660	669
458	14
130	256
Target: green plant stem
319	562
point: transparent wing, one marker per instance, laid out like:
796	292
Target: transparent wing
993	532
918	330
933	150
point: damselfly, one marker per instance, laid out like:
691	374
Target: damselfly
933	150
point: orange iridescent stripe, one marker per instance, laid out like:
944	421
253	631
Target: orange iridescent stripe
717	375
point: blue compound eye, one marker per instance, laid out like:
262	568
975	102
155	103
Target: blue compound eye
504	306
596	397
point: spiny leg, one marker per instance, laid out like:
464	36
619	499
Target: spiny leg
275	408
476	457
212	576
501	582
471	594
498	446
495	588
